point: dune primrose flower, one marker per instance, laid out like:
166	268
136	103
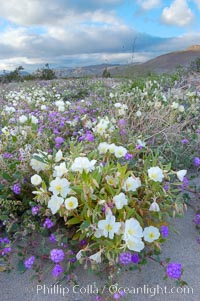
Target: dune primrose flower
155	174
108	226
60	186
151	234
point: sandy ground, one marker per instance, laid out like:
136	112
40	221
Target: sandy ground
181	247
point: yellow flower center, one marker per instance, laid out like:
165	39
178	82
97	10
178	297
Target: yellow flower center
58	188
154	175
71	204
108	227
151	235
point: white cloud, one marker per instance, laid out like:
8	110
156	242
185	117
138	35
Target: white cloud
181	42
37	12
148	4
178	13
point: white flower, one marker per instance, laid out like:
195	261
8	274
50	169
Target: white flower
109	226
154	207
135	244
71	203
117	105
155	174
59	156
111	148
23	119
98	233
34	120
43	107
96	257
132	229
60	170
59	103
61	108
131	184
138	113
181	108
79	255
103	147
38	165
175	105
36	180
181	174
83	164
5	130
120	200
10	109
101	127
60	186
141	143
151	233
54	203
120	151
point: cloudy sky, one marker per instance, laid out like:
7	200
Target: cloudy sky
69	33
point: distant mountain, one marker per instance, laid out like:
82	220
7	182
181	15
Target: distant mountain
166	63
92	70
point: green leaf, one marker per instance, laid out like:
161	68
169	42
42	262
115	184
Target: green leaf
6	176
84	225
74	221
20	266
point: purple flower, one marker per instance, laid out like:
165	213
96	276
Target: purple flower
98	298
35	210
57	255
122	122
198	240
16	188
5	240
185	183
139	146
52	238
5	251
89	137
166	186
123	132
57	270
48	223
174	270
73	260
83	242
196	161
103	209
7	155
122	293
29	262
164	231
125	258
116	296
184	141
59	140
128	156
135	258
197	219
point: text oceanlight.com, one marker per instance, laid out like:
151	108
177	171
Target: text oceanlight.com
91	289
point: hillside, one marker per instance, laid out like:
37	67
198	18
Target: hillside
166	63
